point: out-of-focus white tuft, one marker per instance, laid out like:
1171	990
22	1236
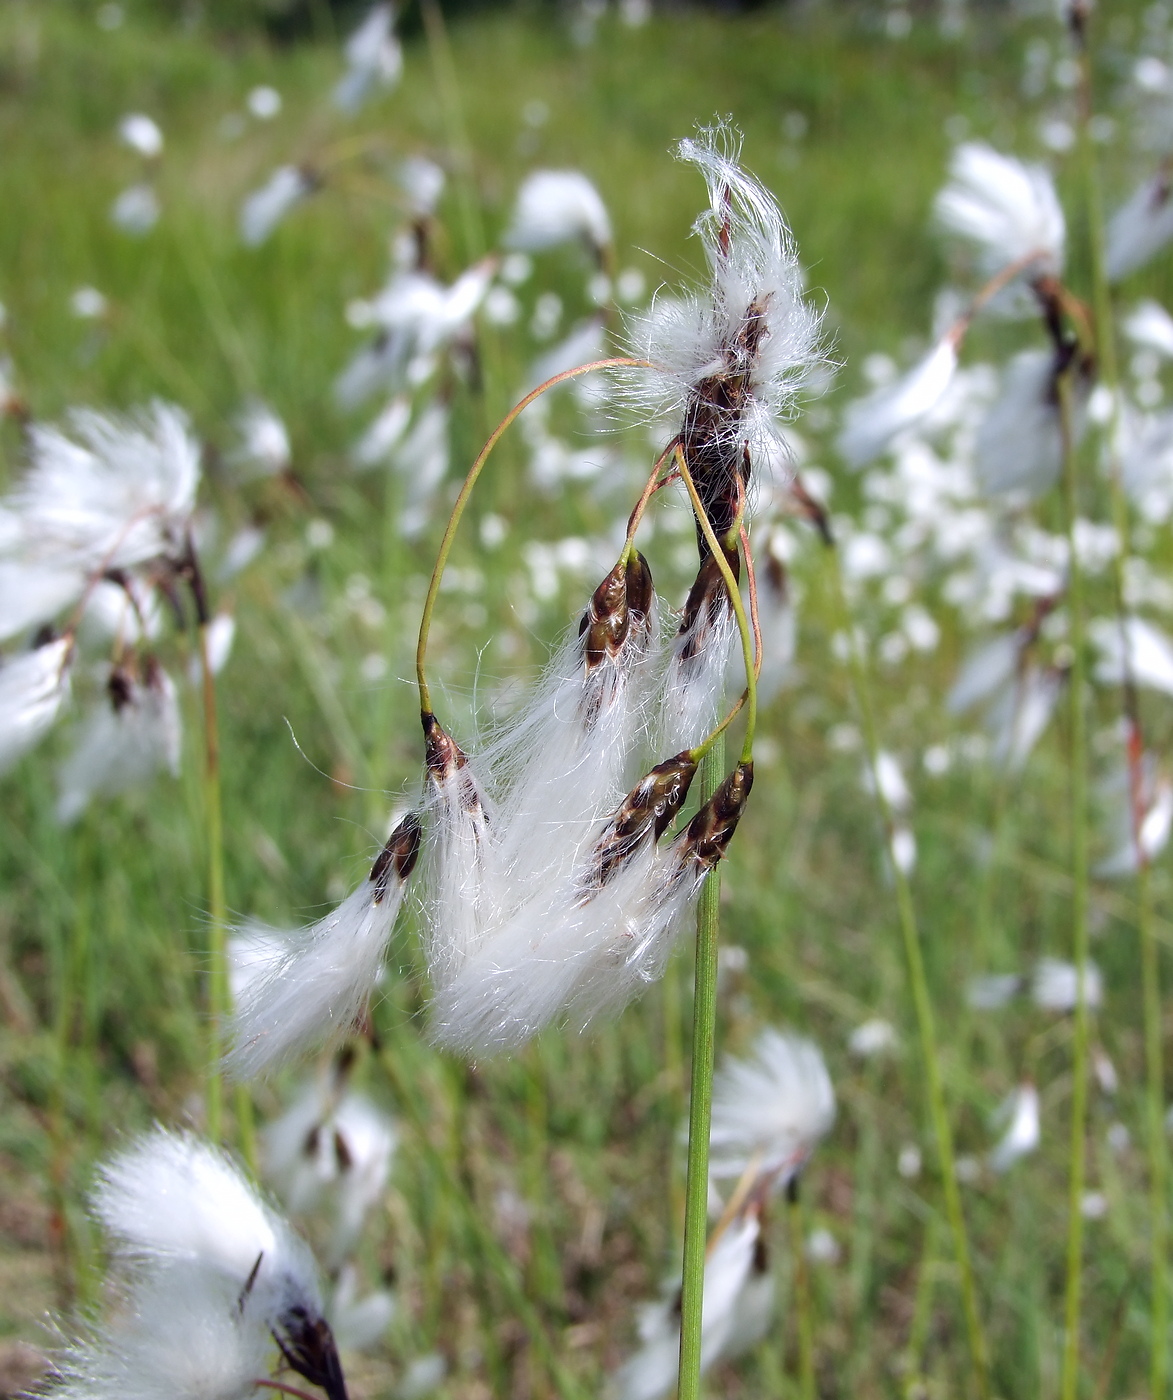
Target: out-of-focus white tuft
141	133
1055	985
113	493
1020	1111
1150	326
131	734
33	688
136	210
335	1144
374	59
318	985
174	1199
991	991
771	1109
1142	653
359	1323
1018	444
1007	209
738	1304
264	448
1019	716
555	206
871	423
178	1335
1139	228
265	207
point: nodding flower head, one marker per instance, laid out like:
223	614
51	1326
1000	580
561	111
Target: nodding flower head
730	362
196	1235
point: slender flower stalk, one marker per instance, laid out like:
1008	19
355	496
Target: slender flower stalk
704	1040
1108	366
1077	766
922	1002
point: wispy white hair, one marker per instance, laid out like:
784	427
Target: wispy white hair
33	688
1007	209
773	1107
555	206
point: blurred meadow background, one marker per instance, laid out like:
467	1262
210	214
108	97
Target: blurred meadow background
526	1206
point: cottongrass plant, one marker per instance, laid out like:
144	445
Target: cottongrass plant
211	1284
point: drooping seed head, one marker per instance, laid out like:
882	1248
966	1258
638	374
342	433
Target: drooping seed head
399	855
647	808
708	834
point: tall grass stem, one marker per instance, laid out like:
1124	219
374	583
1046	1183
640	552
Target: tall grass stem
704	1033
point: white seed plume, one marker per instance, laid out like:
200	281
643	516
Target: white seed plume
1007	209
1022	1136
374	59
1017	719
555	206
871	423
704	653
188	1226
134	731
991	991
1139	228
1150	326
1155	800
264	441
33	688
1055	985
266	206
1018	444
141	133
737	1290
176	1335
318	986
111	493
1142	652
771	1109
752	331
778	623
421	460
136	210
336	1144
985	671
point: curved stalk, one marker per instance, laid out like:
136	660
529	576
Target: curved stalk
466	491
922	1004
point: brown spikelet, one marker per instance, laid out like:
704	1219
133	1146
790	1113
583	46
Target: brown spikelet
648	807
710	831
707	599
401	852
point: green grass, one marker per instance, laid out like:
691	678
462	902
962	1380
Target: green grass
585	1129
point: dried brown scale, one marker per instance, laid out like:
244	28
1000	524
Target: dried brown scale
309	1348
715	453
707	599
606	622
710	831
649	806
120	687
443	757
401	851
640	590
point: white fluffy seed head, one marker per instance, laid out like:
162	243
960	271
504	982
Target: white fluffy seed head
1007	209
871	423
173	1199
179	1334
33	688
752	323
1140	228
773	1108
555	206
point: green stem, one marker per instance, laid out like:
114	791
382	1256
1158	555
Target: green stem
922	1003
1079	901
448	87
462	498
804	1306
704	1027
1150	964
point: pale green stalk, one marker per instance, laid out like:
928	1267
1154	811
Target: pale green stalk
704	1033
1150	964
1077	763
922	1003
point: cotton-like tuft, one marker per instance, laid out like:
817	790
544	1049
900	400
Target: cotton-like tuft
33	688
317	987
556	206
265	207
374	59
1007	209
771	1109
1139	229
871	423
